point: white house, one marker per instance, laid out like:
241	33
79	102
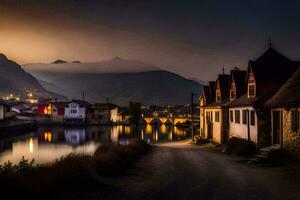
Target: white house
249	117
5	110
75	112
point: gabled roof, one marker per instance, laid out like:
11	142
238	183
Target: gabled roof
272	66
239	78
223	80
288	94
212	88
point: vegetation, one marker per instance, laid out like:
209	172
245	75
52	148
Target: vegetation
135	113
279	157
70	175
239	146
200	140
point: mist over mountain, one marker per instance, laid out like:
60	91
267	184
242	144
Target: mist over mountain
14	80
115	65
118	81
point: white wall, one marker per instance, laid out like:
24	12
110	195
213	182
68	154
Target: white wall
215	125
74	111
1	112
241	130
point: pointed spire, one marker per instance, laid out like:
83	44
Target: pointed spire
270	42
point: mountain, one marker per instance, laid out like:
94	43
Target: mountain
14	80
117	80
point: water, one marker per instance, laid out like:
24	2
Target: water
50	143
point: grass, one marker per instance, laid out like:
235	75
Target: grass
71	174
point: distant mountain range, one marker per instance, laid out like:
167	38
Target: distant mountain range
117	80
14	80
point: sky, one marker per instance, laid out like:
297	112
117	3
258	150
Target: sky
194	38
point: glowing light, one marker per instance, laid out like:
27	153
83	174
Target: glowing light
48	136
31	145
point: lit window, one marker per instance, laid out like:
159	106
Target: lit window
232	92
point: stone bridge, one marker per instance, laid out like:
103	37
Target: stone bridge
165	120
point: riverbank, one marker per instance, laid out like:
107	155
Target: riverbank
72	174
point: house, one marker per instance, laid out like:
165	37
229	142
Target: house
206	97
249	117
5	110
215	115
285	108
102	113
75	112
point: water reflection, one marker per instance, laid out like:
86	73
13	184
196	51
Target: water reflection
50	143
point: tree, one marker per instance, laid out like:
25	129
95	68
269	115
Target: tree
135	113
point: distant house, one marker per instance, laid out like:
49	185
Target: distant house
102	113
249	117
215	115
5	110
285	108
75	112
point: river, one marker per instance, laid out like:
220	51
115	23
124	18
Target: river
50	143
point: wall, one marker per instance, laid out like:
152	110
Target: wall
291	139
80	111
1	112
241	130
216	126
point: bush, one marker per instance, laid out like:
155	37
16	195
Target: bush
239	146
279	157
74	172
200	140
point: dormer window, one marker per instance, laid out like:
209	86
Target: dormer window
232	91
251	86
218	92
218	95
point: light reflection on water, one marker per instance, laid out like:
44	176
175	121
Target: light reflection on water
50	143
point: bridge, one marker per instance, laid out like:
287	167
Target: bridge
165	120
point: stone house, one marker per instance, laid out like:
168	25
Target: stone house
285	108
265	76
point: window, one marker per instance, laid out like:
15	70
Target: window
251	90
218	95
244	116
211	116
251	86
231	116
295	120
232	92
237	116
252	117
217	116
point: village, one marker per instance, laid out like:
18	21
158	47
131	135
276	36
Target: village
260	104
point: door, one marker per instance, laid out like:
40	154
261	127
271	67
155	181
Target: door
209	125
277	126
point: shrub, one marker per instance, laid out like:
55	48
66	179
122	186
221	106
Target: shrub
201	140
239	146
279	157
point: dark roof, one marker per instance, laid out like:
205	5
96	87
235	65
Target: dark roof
288	94
255	102
224	85
80	102
272	67
212	87
206	92
239	77
60	104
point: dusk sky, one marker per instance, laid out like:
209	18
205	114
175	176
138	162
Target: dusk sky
194	38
